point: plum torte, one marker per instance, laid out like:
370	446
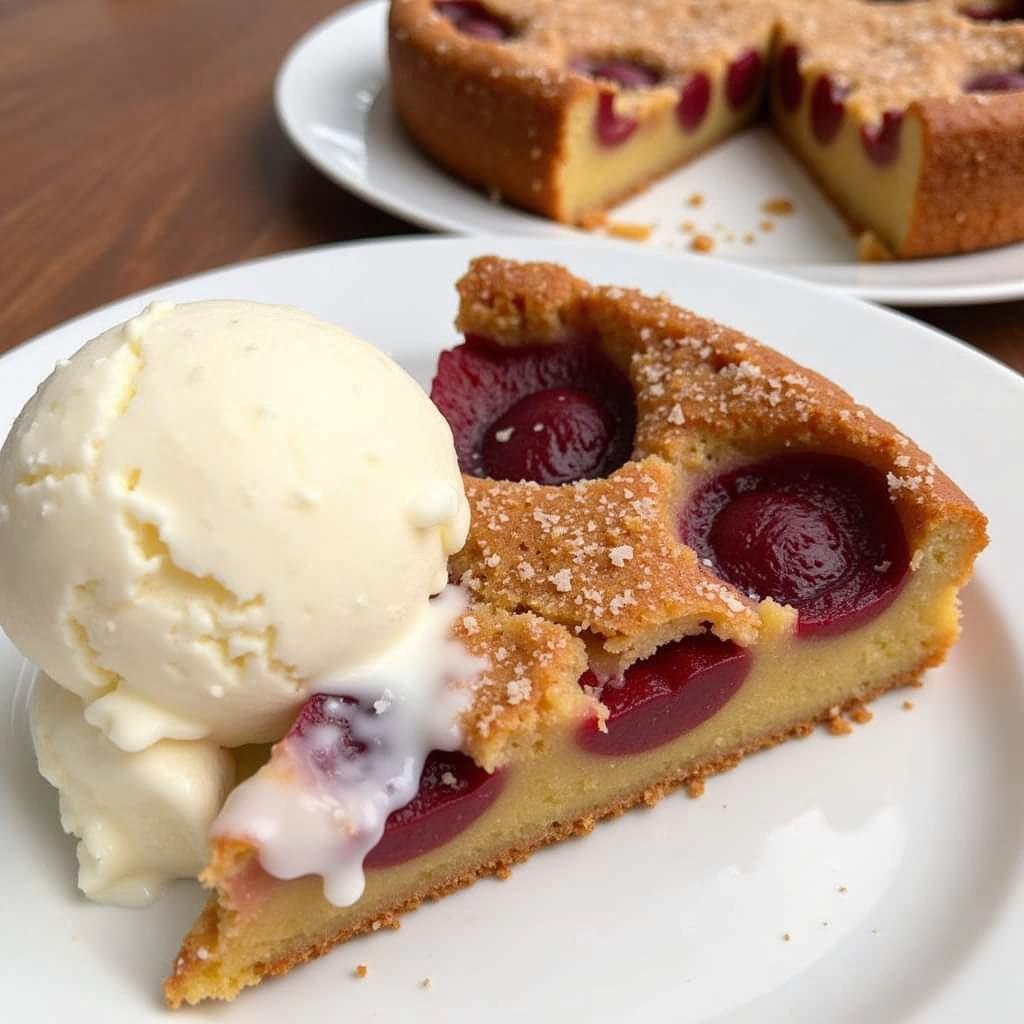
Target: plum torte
909	115
684	548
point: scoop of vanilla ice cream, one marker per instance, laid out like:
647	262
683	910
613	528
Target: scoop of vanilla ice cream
142	819
212	506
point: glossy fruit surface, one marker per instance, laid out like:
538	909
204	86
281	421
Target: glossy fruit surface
454	791
694	100
494	397
813	531
664	697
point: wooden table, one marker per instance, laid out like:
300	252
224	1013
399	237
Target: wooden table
138	143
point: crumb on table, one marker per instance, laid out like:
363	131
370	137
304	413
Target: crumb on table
908	705
767	225
362	970
702	243
697	199
687	226
426	983
695	787
749	238
786	936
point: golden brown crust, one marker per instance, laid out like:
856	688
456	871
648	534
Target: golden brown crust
602	557
453	96
531	683
971	191
188	982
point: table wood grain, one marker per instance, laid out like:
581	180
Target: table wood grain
138	143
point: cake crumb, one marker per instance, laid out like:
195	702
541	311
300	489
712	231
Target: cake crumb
839	726
702	243
843	889
687	227
786	936
697	199
767	225
871	249
631	232
749	238
426	983
361	970
695	788
908	705
860	714
779	205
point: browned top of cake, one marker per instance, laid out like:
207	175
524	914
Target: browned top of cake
890	54
603	557
886	54
530	682
669	36
665	35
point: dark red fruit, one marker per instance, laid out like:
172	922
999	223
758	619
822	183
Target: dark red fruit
694	100
1009	10
583	402
473	19
791	82
780	544
826	109
612	129
817	532
882	141
454	791
452	794
680	686
743	78
627	74
553	436
996	81
333	744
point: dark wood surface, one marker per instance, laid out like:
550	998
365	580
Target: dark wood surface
138	143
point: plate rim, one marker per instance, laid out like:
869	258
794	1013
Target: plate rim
396	204
499	240
936	1003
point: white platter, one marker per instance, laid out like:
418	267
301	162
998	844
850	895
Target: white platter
333	101
675	913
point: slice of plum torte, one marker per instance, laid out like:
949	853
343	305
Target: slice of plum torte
684	548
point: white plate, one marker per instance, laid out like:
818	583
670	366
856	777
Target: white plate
333	100
678	912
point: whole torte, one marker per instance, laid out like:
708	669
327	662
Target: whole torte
910	116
